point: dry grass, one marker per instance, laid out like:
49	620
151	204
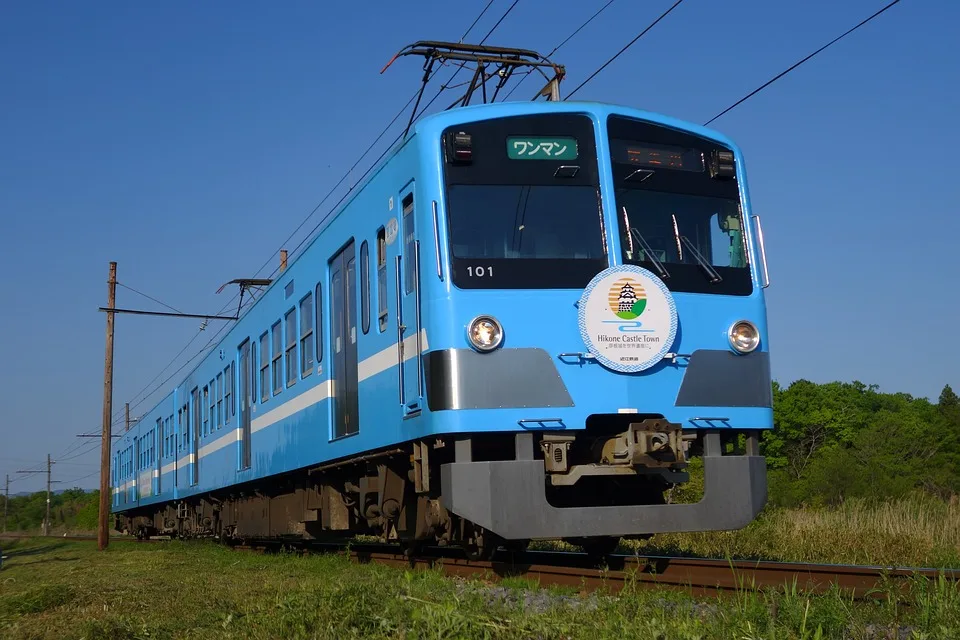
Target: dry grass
917	531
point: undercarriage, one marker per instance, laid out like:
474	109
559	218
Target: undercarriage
588	487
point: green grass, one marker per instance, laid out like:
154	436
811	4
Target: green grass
58	589
912	532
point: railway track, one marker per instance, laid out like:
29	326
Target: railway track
700	576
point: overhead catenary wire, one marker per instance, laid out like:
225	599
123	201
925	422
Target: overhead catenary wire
798	63
558	47
627	46
299	227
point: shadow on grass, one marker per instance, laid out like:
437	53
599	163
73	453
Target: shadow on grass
12	553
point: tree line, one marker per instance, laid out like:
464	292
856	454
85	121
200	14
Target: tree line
848	440
73	509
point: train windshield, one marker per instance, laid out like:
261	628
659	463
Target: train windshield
524	222
676	216
523	203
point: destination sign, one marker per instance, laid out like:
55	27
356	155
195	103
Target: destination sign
657	156
541	148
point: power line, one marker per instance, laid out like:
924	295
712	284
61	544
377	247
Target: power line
797	64
628	45
474	23
75	447
557	48
443	87
162	304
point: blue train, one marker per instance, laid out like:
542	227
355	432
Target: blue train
523	325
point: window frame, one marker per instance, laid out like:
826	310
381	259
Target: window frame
408	224
276	360
307	355
383	313
364	287
264	363
219	401
291	347
229	393
318	319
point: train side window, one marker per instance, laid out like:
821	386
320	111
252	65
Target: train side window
219	400
291	349
382	278
207	402
319	331
229	386
213	406
277	359
264	368
306	335
364	287
408	243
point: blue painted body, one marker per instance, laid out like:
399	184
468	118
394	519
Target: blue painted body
293	429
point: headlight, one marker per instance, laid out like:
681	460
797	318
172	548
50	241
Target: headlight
485	333
744	336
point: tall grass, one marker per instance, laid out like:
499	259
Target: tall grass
914	531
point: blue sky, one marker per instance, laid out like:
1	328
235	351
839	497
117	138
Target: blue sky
187	140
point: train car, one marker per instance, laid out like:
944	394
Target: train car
521	326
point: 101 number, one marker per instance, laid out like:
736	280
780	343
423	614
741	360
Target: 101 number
480	272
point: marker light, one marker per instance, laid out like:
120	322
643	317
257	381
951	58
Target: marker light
485	333
743	336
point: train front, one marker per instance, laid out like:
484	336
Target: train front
605	283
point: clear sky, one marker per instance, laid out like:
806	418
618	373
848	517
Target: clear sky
186	140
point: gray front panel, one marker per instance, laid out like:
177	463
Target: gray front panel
715	378
505	378
507	497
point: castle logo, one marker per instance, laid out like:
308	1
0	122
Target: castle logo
627	298
628	319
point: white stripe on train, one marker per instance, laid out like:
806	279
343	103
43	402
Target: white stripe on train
375	364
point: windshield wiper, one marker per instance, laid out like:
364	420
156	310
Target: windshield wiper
646	247
714	276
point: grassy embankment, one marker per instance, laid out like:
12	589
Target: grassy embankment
57	589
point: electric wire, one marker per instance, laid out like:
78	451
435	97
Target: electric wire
163	304
75	446
627	46
558	47
797	64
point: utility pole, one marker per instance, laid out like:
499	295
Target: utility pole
103	533
126	408
6	502
46	522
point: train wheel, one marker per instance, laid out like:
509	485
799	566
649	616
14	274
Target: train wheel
478	543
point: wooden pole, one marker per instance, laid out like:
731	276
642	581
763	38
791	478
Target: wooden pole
103	532
46	522
6	502
283	260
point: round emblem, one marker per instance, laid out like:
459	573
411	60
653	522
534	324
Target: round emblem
628	319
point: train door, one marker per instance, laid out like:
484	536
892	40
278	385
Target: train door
195	438
246	402
408	312
343	342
